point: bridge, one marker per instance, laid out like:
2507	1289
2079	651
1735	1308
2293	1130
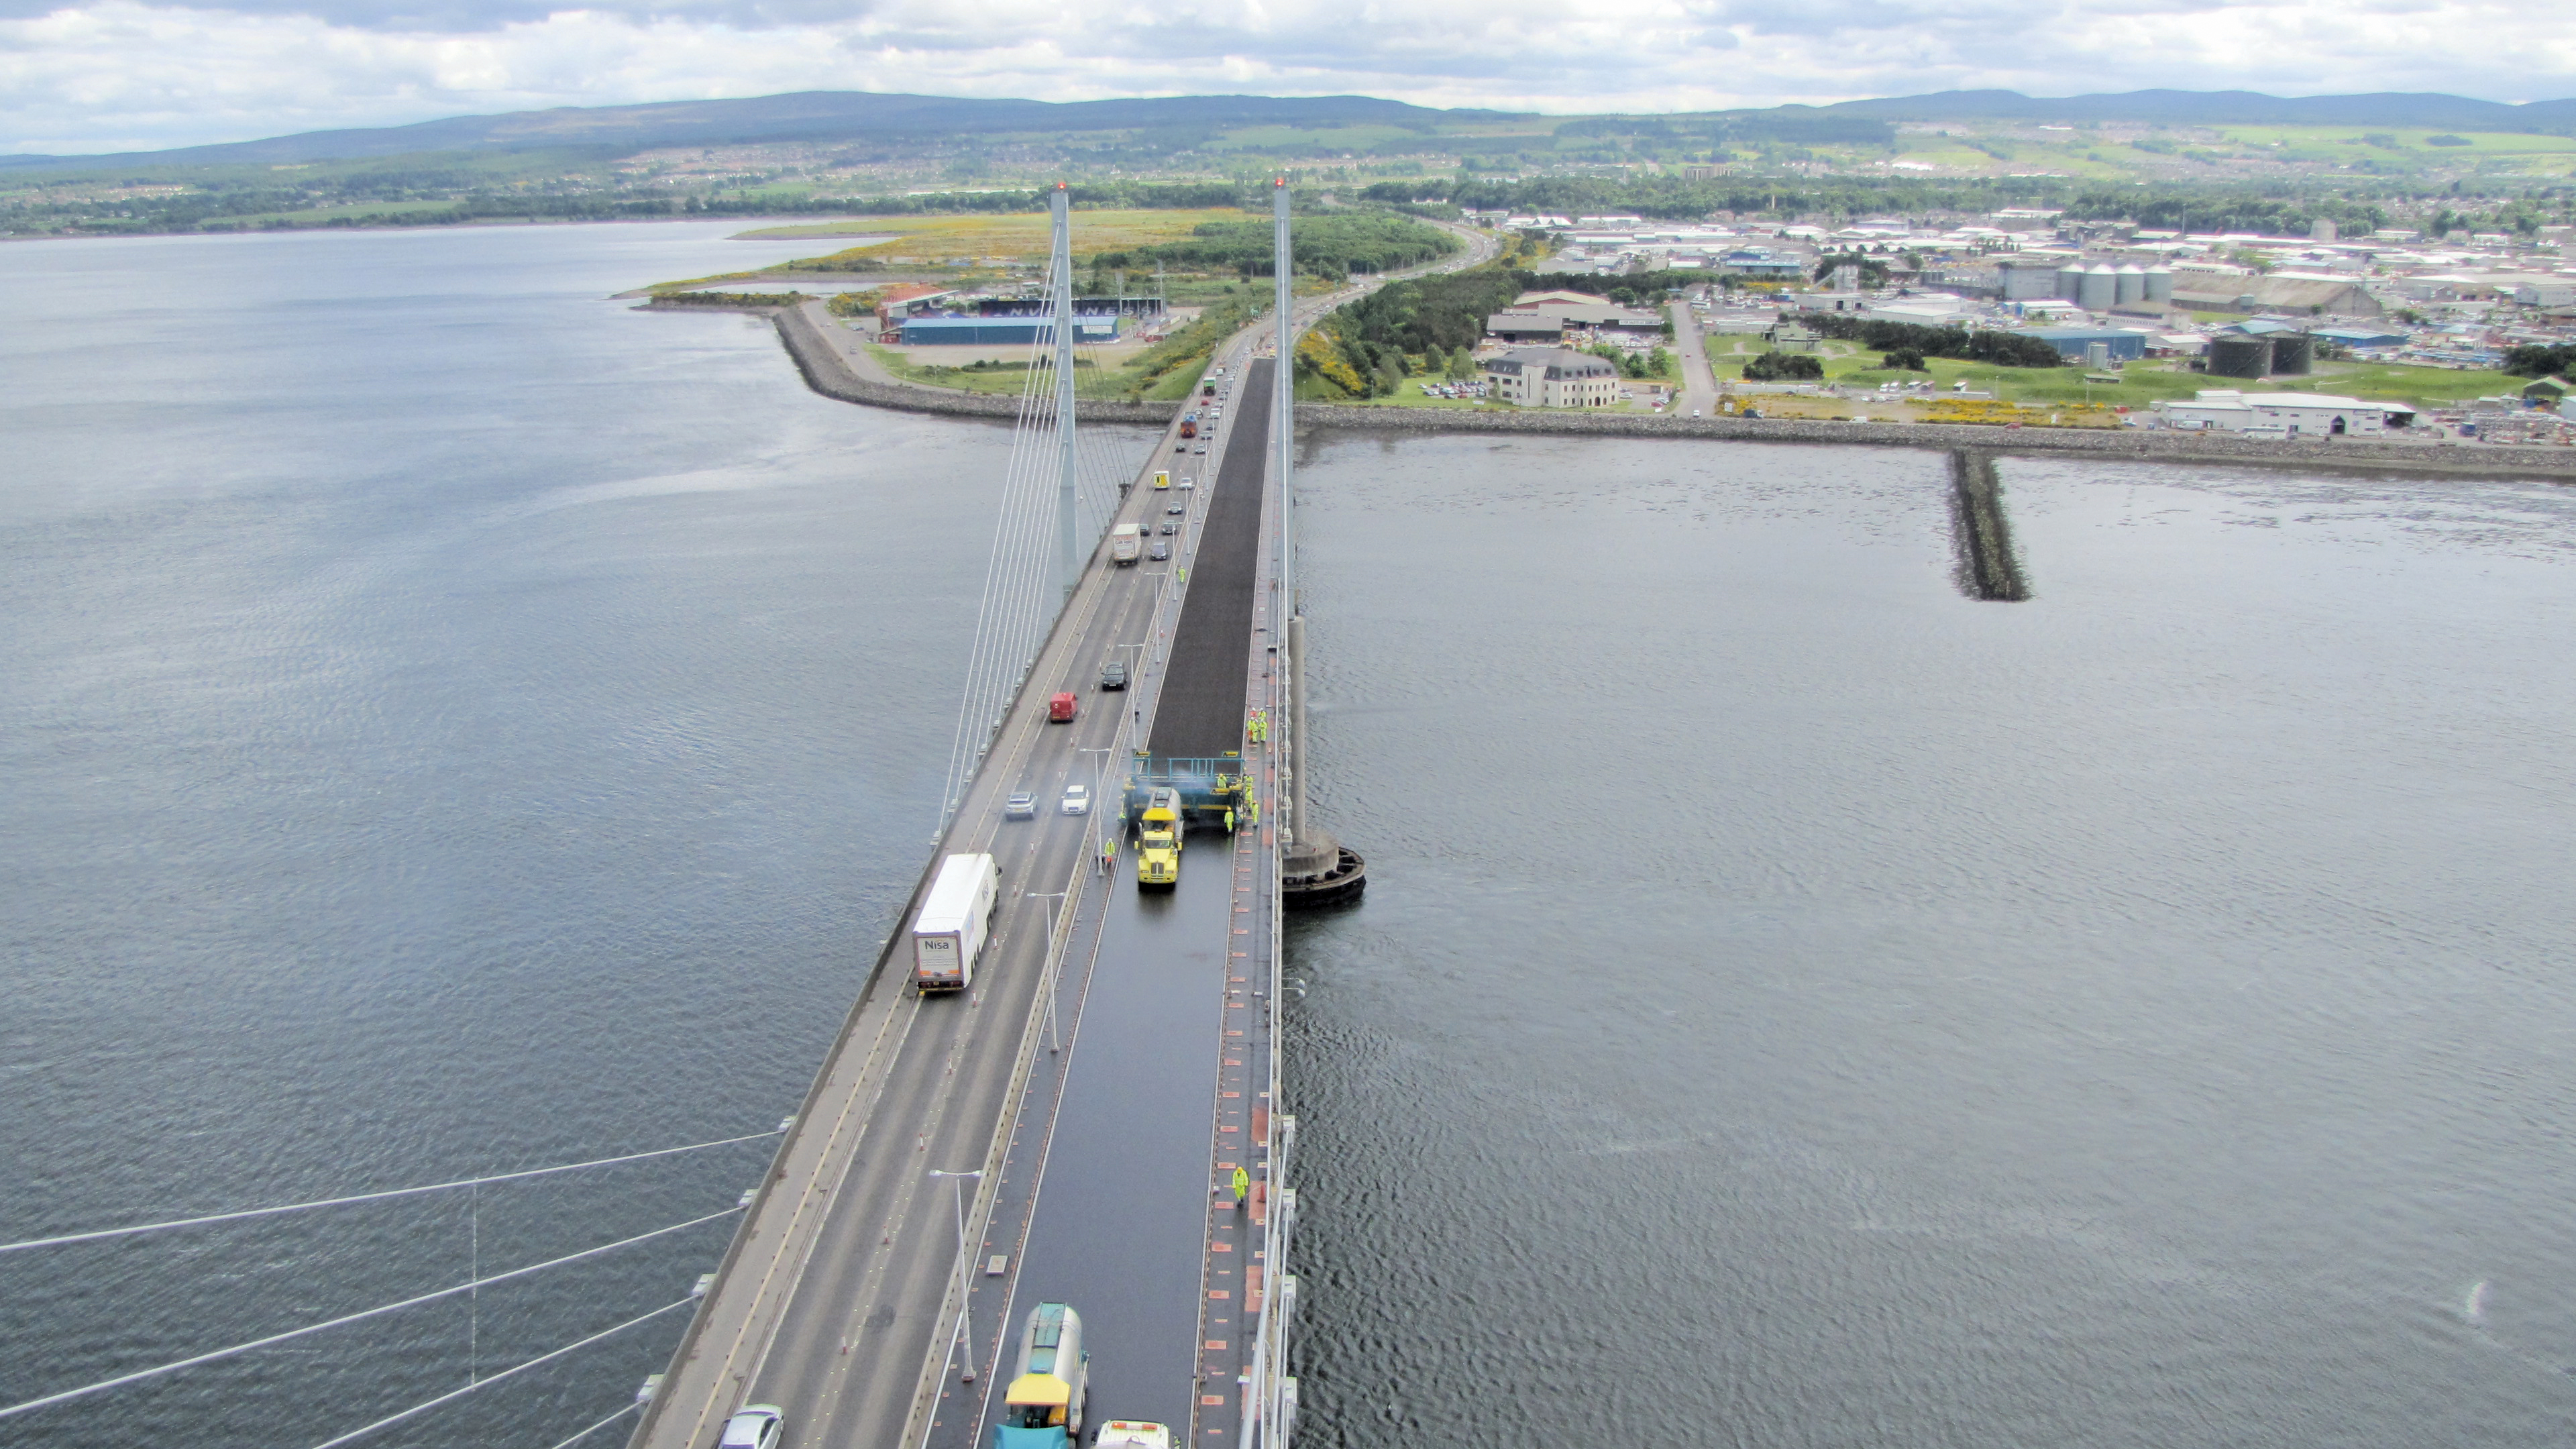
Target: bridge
1096	1122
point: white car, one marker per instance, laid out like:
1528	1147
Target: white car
1077	800
754	1426
1187	482
1133	1434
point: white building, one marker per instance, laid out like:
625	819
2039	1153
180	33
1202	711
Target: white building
1553	377
2279	414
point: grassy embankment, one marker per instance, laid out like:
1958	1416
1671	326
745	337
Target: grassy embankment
2141	383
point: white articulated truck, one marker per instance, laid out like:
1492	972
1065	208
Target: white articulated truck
955	917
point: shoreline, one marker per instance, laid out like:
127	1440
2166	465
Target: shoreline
828	370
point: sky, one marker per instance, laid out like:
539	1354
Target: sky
110	75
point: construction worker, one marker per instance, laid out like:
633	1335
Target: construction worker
1252	809
1242	1187
1229	821
1109	852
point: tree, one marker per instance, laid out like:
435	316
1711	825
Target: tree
1462	364
1904	359
1873	273
1784	367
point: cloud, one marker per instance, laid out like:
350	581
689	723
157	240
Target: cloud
115	74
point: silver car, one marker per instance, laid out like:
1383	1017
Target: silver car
754	1426
1021	806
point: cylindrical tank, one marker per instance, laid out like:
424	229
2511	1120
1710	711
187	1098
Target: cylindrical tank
2294	354
2240	356
2070	282
2130	284
2158	281
2101	288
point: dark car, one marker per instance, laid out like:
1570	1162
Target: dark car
1113	675
1168	529
1177	509
1160	551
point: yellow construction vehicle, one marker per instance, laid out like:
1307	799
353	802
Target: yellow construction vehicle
1158	841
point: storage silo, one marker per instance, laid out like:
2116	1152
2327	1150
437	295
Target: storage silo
2158	280
2101	288
2070	281
2130	284
2240	356
2294	354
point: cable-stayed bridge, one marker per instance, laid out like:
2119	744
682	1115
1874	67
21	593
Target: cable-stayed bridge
1095	1122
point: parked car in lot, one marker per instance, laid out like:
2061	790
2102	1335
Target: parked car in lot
1113	675
753	1426
1021	806
1077	800
1161	551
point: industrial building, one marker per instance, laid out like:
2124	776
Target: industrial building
2076	344
1553	377
2281	414
1002	331
1082	307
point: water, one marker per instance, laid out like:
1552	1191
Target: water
449	722
1799	1005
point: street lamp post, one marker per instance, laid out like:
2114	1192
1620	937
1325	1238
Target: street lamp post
965	1328
1048	984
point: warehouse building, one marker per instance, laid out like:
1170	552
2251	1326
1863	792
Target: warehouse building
1553	377
2076	344
1002	331
2281	414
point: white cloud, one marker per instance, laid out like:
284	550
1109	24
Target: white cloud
118	74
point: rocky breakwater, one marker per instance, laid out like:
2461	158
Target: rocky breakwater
2144	445
805	329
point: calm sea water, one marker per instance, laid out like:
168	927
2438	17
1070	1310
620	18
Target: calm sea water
1798	1005
452	723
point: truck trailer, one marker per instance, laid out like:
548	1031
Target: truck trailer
956	917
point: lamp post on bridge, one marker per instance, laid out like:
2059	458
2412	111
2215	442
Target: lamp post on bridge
1055	1042
965	1315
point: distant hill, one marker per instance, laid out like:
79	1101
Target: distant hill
801	116
2219	108
855	115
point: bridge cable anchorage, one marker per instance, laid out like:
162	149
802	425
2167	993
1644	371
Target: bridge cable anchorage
297	1207
294	1333
427	1404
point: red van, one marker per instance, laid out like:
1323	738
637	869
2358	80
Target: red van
1060	709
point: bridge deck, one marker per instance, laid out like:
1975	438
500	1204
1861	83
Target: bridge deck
838	1300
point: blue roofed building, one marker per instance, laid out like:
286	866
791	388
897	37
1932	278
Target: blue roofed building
1003	331
2076	343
